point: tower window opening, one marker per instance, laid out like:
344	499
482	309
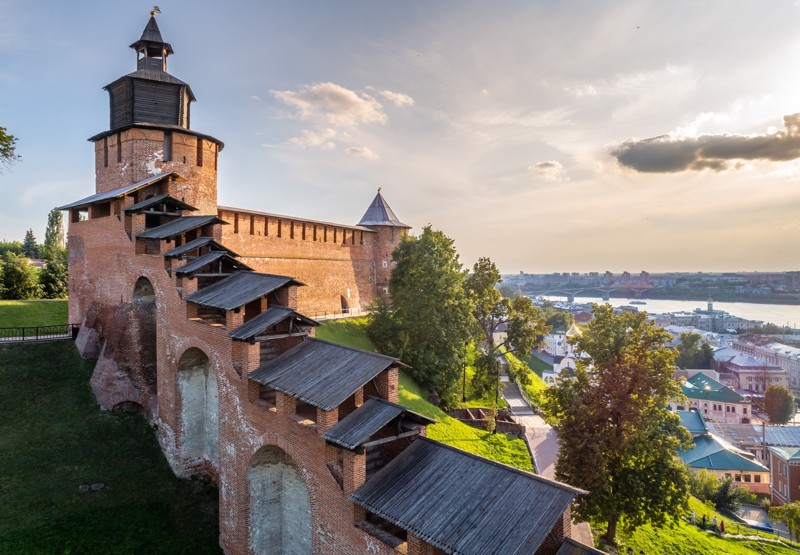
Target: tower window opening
105	152
236	222
280	229
119	147
291	230
266	226
168	147
200	152
252	224
304	232
315	232
216	156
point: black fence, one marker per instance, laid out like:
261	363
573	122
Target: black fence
39	333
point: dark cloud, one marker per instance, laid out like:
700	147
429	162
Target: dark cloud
666	154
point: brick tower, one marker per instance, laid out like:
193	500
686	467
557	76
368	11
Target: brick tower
389	230
149	130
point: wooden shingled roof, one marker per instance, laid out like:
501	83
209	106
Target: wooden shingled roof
321	373
360	425
119	192
239	289
465	504
224	262
272	316
179	226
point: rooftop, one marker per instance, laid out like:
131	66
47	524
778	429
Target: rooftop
465	504
360	425
239	289
320	373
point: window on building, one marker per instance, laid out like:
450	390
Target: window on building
167	147
105	152
199	151
119	147
747	478
757	478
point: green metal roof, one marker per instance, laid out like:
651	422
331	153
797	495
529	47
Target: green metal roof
787	453
712	453
704	388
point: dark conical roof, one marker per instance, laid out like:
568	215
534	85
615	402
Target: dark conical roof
379	213
151	39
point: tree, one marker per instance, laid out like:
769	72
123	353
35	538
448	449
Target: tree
8	152
54	277
779	404
10	246
523	323
790	515
723	494
54	234
29	246
19	278
693	352
429	321
558	319
617	439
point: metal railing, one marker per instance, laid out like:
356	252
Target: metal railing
38	333
321	315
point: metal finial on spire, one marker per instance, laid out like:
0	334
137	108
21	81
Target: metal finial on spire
154	11
379	189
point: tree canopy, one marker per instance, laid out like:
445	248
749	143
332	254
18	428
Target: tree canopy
19	278
779	404
29	246
523	323
429	321
790	515
53	235
8	148
693	352
617	438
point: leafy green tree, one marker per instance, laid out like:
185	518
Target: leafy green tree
523	323
29	246
558	319
10	246
429	321
617	439
53	234
790	515
779	404
703	484
730	496
693	352
8	148
19	278
54	277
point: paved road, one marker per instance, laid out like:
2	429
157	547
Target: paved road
541	438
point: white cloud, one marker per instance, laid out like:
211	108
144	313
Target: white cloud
549	170
334	104
398	99
320	139
362	151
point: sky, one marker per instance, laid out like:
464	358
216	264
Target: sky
548	136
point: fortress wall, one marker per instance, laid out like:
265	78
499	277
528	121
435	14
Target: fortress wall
103	285
334	262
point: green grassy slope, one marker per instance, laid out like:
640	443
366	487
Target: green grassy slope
448	430
15	314
54	438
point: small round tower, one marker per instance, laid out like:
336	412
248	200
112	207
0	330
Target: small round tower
389	230
149	130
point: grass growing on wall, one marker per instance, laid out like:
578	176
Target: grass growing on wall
16	314
54	438
499	447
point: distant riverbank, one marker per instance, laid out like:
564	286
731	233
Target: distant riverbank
778	314
679	295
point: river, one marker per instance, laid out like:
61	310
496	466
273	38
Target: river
779	314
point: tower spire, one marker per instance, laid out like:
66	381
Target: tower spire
151	50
